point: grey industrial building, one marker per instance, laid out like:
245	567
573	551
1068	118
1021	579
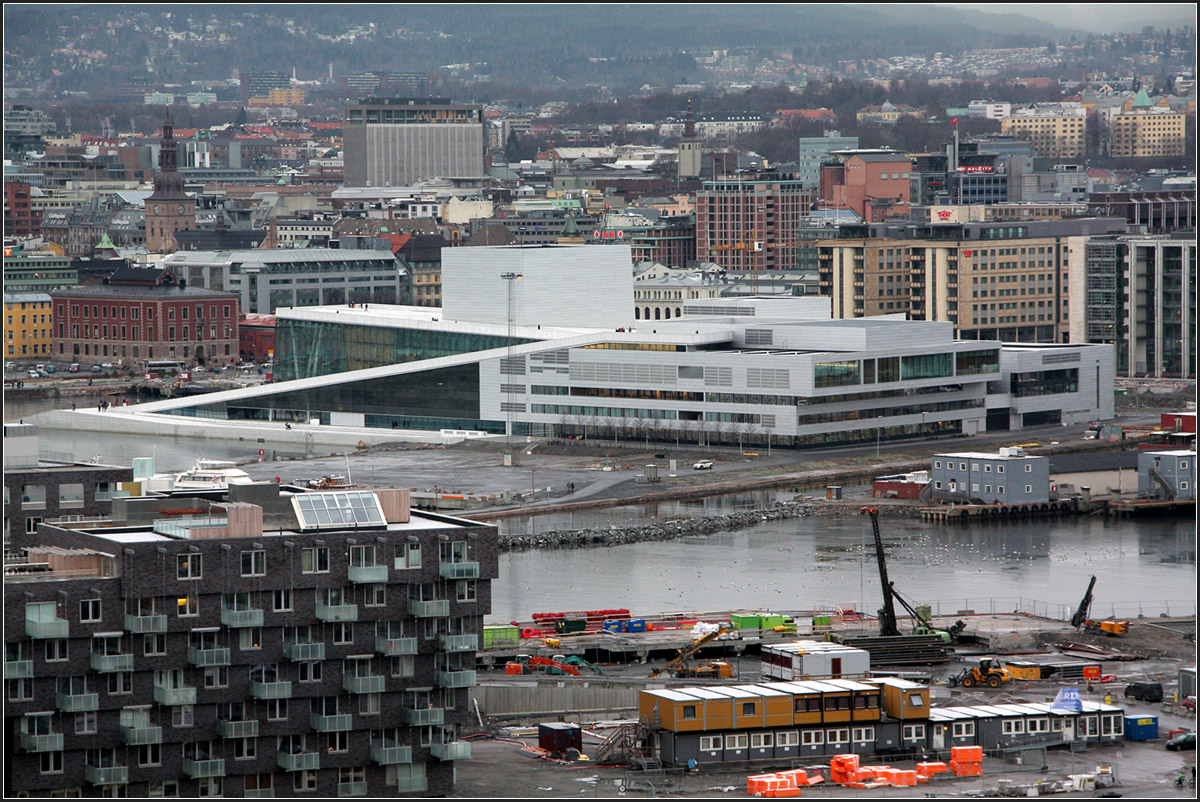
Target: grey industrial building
1009	477
1167	475
396	142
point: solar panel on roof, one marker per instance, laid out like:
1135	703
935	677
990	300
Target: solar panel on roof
338	509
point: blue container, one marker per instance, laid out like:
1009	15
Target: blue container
613	626
1141	728
636	625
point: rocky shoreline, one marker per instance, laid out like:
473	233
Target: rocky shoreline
671	530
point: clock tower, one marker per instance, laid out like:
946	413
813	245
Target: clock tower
169	209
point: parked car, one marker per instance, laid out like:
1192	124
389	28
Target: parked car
33	374
51	369
1144	691
1189	703
702	465
10	365
1181	743
74	367
97	369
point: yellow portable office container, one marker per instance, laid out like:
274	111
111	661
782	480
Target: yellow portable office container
671	710
805	701
903	699
718	708
865	699
836	702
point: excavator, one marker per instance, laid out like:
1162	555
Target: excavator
887	613
713	669
1109	626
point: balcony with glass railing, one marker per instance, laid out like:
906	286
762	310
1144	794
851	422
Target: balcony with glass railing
337	612
139	624
71	702
455	679
258	793
463	570
18	669
387	753
369	574
49	628
105	663
457	750
208	657
395	647
174	695
271	690
247	617
199	769
297	650
299	761
140	735
45	742
338	722
106	775
411	784
434	608
364	684
423	716
458	643
352	789
227	728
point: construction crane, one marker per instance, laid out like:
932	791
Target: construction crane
1108	626
887	614
678	666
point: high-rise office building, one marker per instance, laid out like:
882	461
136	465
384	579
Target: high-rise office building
399	141
750	221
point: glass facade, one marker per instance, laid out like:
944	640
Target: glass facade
975	363
1045	382
447	398
836	374
304	349
926	366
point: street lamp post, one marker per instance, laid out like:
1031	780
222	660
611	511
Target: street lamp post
509	278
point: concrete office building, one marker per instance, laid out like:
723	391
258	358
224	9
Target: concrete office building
268	279
1009	477
816	150
997	280
395	142
1139	294
284	643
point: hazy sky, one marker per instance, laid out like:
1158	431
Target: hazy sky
1098	17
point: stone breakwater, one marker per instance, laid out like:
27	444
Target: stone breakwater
670	530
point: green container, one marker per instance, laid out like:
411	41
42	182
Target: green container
501	636
745	621
821	621
771	621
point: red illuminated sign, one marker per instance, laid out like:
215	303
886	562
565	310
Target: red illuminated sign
976	168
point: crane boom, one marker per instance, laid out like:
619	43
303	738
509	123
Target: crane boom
887	613
1085	606
687	651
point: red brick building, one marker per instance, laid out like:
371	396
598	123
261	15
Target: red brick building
749	222
875	185
139	315
20	220
256	337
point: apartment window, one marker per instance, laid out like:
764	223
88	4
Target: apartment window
164	788
216	677
189	566
249	638
374	595
244	749
254	563
710	743
837	736
277	709
182	716
149	755
812	738
281	601
85	723
188	606
343	632
689	711
787	738
464	590
56	650
51	762
408	555
748	708
305	781
259	783
209	786
120	682
964	729
19	690
914	732
309	671
338	742
864	735
403	666
154	645
736	741
314	560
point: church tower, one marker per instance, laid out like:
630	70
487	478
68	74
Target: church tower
689	148
169	209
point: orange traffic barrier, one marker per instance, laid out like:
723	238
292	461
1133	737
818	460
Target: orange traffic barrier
930	769
966	754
